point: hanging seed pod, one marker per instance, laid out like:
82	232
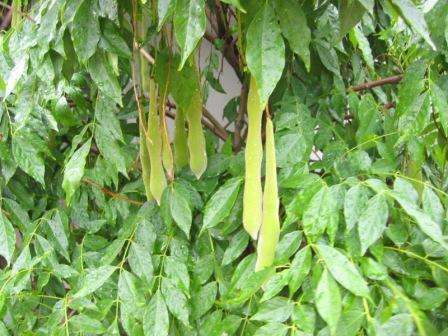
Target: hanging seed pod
196	139
180	140
145	162
252	199
154	143
270	227
167	153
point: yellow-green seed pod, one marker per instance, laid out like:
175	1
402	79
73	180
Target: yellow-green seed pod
154	143
252	199
180	140
145	162
270	227
196	138
167	153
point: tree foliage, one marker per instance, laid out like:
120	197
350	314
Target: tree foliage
108	228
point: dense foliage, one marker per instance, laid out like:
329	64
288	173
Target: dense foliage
106	228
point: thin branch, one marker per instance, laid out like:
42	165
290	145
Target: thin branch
229	54
217	125
383	81
145	54
110	192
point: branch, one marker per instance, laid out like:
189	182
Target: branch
110	192
216	124
229	54
369	85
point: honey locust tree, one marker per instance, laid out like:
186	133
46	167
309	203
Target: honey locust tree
312	203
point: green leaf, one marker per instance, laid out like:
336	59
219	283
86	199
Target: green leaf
236	4
203	300
328	301
432	205
106	115
295	28
189	25
373	270
265	53
343	270
164	10
15	75
94	279
74	170
300	267
129	294
140	262
110	149
275	284
354	204
372	221
180	211
104	77
424	221
272	329
398	325
440	104
221	203
320	214
177	271
113	42
414	18
27	156
86	324
368	119
278	309
350	13
156	319
7	238
175	300
237	245
410	87
59	235
85	31
287	246
304	316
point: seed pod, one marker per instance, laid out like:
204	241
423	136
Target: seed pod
180	140
167	153
145	162
270	227
196	139
154	143
252	199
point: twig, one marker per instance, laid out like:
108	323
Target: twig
229	54
215	123
239	122
145	54
369	85
110	192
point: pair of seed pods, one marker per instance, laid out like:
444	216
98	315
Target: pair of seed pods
156	155
260	209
